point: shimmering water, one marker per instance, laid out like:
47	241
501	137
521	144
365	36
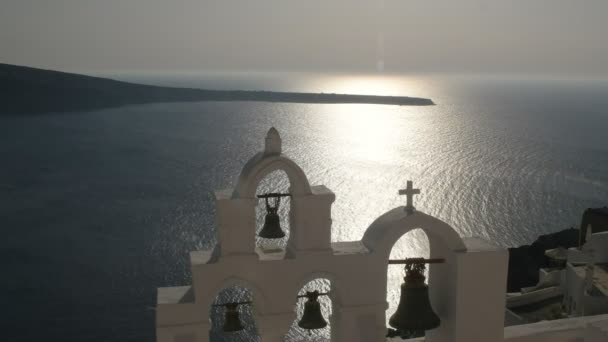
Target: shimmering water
100	208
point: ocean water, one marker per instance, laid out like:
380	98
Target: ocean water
98	209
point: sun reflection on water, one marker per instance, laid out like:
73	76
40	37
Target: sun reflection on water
369	131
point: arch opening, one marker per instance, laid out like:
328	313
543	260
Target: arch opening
261	165
442	240
412	244
276	182
247	315
327	303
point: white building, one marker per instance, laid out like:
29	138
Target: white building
467	291
585	278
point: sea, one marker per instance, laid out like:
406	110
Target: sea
99	208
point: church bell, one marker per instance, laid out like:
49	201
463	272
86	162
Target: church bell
272	223
232	323
312	317
414	312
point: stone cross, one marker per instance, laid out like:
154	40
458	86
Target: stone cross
409	192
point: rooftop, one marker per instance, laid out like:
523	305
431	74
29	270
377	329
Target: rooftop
600	211
175	295
600	278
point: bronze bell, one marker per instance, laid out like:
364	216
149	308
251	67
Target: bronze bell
272	223
312	317
232	323
414	312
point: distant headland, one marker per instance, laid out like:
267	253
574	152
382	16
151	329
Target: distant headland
25	90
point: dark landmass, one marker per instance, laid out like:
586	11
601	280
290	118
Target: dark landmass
25	90
596	218
525	261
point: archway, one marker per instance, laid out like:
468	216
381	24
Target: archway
383	233
323	285
231	294
263	164
443	242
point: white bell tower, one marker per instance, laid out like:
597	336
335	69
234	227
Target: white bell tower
467	291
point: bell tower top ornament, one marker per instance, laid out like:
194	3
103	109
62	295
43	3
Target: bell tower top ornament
273	142
409	192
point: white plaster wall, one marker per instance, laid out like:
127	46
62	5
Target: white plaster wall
599	245
597	331
353	293
311	222
236	217
594	305
549	277
581	329
573	294
576	256
563	330
533	297
480	292
512	318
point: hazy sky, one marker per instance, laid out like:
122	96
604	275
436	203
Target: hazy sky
541	36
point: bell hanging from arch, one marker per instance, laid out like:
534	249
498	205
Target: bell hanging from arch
414	312
312	317
232	323
272	223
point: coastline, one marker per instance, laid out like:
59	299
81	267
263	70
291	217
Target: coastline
25	90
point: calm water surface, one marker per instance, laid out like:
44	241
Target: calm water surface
100	208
